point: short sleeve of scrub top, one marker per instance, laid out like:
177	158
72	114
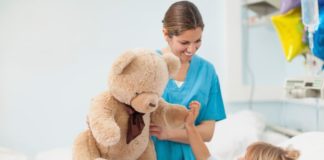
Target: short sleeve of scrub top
201	84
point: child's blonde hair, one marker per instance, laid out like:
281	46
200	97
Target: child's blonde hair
266	151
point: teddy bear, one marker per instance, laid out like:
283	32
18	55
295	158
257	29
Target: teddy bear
119	118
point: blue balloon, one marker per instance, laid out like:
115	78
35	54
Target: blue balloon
318	49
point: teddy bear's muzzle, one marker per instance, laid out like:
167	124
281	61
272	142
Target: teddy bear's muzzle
145	102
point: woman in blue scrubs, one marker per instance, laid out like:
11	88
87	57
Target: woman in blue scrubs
195	81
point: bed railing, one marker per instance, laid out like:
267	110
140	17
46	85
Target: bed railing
283	130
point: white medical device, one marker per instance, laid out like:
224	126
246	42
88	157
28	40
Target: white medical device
305	87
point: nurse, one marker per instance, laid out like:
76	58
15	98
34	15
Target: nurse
196	81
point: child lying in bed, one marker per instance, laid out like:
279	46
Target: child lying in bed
256	151
266	151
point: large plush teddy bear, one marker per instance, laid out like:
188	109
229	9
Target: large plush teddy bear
119	118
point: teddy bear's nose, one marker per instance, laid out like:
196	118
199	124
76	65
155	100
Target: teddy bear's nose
152	105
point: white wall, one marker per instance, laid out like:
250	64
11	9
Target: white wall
55	56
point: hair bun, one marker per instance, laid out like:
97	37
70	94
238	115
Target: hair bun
292	154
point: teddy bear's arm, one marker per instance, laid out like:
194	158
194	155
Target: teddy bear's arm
169	115
149	153
102	123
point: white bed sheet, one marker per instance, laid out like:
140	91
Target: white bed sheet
310	145
8	154
233	135
55	154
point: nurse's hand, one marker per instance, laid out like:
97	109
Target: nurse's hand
159	132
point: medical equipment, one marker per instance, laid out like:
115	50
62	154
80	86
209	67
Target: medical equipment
263	7
305	87
310	18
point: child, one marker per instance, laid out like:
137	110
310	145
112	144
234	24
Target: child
266	151
256	151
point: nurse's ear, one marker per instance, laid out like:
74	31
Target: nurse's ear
165	34
173	63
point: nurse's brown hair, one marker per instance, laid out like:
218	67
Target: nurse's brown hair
182	16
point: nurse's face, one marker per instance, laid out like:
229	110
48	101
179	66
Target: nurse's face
186	44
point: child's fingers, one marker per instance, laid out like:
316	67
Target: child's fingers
195	107
194	104
189	118
190	113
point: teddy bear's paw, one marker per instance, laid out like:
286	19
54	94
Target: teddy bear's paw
176	116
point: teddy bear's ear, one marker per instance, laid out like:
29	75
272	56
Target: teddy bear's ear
122	62
173	63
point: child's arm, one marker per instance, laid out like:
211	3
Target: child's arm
197	144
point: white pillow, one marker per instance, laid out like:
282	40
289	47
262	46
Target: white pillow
310	145
55	154
7	154
234	134
273	137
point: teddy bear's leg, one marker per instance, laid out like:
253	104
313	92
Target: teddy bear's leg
149	153
85	147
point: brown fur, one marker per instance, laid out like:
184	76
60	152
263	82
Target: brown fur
138	78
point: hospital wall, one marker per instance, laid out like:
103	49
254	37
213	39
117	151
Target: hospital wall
295	115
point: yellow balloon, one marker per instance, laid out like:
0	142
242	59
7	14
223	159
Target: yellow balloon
290	29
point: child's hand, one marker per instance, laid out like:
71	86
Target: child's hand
193	113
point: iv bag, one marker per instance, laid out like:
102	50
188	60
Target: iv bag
310	18
310	14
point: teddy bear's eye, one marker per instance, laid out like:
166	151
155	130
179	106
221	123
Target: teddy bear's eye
136	93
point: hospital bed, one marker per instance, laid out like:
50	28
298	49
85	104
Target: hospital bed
233	135
231	138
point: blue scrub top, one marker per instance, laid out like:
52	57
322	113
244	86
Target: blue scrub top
201	84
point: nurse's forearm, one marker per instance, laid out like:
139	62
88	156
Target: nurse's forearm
205	129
